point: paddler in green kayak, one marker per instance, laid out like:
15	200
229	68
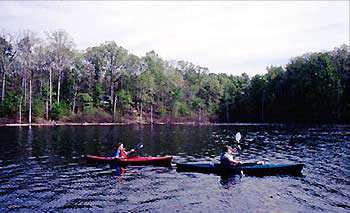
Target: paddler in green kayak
227	158
120	151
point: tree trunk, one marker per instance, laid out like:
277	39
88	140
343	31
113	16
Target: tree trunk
50	89
114	109
74	102
151	114
30	101
141	112
58	87
46	110
171	115
20	110
41	87
3	86
227	113
112	98
25	92
199	115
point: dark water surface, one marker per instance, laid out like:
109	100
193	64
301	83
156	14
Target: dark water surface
44	169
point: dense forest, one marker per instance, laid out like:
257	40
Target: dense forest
46	79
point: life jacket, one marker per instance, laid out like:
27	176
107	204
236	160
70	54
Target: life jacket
120	153
226	158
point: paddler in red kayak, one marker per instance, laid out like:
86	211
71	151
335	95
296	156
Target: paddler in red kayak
120	151
227	158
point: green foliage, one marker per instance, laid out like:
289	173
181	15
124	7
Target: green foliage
85	101
38	108
90	109
45	90
162	111
197	103
181	109
148	87
9	105
85	98
311	87
125	100
60	110
98	92
98	89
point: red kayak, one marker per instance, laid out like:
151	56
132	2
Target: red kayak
132	161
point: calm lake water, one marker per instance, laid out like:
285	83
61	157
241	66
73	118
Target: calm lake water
44	169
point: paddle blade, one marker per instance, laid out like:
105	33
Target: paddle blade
139	146
238	137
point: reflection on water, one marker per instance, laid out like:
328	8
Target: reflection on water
119	171
44	168
230	181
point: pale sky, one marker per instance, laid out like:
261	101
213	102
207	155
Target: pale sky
230	36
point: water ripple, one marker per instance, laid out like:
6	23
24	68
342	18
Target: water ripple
51	175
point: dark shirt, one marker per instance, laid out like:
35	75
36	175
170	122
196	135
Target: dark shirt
226	159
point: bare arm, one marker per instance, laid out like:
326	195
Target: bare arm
234	150
131	151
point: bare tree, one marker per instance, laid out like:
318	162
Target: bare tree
61	45
135	66
116	58
25	48
41	63
77	70
7	57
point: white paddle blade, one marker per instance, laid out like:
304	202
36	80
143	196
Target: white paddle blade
238	137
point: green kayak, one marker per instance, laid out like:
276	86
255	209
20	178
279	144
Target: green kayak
253	169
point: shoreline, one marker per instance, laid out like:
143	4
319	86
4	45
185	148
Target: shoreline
135	123
53	124
96	124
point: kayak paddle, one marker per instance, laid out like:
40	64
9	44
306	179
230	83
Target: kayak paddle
138	147
238	138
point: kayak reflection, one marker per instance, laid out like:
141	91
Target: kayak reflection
228	181
119	171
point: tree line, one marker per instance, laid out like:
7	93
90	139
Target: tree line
49	79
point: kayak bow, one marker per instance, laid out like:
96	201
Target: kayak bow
132	161
252	169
